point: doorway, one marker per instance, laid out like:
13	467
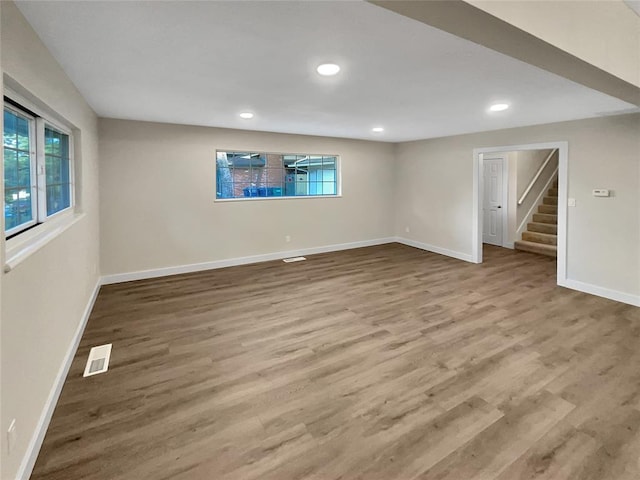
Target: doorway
479	215
494	199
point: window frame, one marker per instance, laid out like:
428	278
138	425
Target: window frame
38	121
46	122
32	169
338	175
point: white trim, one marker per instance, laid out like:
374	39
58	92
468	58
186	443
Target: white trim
563	169
33	187
281	197
18	249
529	216
563	188
51	125
601	292
476	217
37	126
432	248
41	174
505	201
35	106
33	449
232	262
338	180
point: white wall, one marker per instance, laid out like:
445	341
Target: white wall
44	297
434	194
605	34
157	190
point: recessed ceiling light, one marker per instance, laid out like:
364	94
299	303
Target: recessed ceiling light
328	69
377	129
498	107
246	115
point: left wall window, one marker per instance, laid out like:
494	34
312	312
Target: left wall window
38	180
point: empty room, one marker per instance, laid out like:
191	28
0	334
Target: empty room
320	240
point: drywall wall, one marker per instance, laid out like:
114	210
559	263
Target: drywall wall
604	34
44	297
157	190
434	185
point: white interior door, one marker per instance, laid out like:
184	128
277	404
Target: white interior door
492	208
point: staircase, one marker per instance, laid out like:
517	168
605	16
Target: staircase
542	234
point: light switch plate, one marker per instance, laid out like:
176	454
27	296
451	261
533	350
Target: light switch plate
600	192
571	202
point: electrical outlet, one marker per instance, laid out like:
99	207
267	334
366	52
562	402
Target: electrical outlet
287	238
11	436
407	229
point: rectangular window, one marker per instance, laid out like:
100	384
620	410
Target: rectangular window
257	174
57	164
38	174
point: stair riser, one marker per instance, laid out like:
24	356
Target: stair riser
550	200
544	218
552	209
542	228
540	238
553	192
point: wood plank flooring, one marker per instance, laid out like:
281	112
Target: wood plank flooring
378	363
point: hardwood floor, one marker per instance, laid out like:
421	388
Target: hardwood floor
377	363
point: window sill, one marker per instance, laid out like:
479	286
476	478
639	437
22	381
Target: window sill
21	247
257	199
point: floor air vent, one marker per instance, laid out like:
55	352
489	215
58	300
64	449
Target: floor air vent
98	361
294	259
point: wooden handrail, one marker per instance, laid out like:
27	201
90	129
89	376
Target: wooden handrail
536	176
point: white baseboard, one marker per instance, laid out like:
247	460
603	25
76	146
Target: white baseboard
232	262
432	248
33	449
601	291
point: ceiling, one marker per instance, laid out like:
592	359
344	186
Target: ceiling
202	63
